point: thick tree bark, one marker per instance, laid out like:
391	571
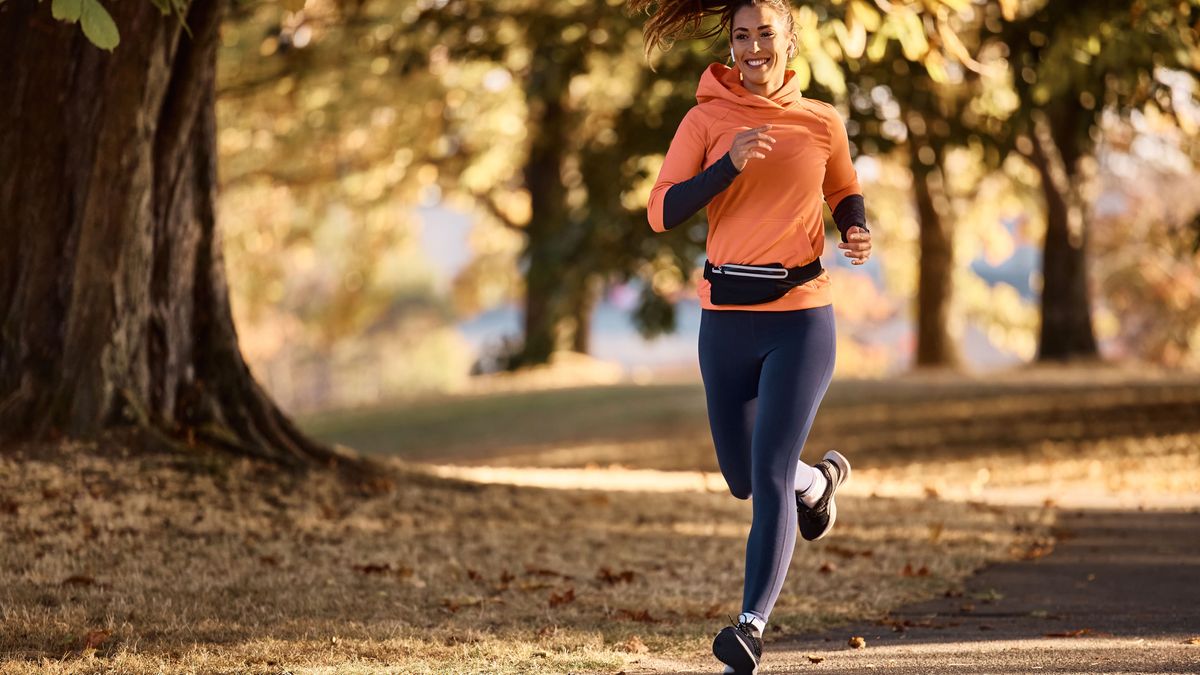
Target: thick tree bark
114	307
1066	331
545	250
581	312
935	347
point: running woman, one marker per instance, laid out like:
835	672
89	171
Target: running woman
762	158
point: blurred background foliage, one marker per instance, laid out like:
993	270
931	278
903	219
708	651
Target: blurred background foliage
1020	160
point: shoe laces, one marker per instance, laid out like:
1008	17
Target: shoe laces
747	629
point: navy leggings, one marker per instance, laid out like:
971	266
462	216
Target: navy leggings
764	376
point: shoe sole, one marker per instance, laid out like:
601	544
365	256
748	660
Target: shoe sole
731	651
843	466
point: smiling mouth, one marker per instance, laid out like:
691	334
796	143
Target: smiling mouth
755	63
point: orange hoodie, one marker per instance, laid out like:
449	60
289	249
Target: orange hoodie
773	211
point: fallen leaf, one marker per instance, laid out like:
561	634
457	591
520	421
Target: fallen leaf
1062	533
1034	551
812	658
541	571
456	603
269	560
985	507
1192	641
557	599
608	576
967	607
506	576
78	580
858	642
848	552
473	575
639	615
95	638
634	645
984	626
827	568
378	486
1080	632
713	612
599	499
908	571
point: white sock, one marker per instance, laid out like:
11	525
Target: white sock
752	619
815	487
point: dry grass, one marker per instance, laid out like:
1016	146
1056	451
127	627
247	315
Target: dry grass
143	564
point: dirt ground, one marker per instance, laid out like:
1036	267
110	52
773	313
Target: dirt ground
143	564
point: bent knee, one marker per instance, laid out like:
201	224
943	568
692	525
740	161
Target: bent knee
740	491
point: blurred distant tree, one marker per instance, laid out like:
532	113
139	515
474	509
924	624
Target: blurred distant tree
595	116
1069	63
591	112
114	308
913	97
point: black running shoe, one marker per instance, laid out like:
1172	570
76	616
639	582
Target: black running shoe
737	647
816	521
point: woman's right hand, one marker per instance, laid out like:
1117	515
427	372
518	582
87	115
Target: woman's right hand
750	144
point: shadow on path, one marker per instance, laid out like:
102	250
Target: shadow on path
1119	593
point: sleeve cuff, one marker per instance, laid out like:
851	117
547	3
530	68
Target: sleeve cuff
850	211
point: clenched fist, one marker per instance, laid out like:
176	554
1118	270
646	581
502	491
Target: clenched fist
750	144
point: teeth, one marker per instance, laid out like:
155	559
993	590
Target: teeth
756	62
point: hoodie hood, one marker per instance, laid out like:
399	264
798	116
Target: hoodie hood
719	81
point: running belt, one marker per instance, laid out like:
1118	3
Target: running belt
735	284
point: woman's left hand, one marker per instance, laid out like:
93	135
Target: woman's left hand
857	245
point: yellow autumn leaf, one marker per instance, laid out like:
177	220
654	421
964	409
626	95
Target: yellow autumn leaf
955	46
865	14
878	45
935	65
853	37
803	72
957	5
911	32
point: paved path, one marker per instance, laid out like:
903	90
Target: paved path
1122	587
1120	593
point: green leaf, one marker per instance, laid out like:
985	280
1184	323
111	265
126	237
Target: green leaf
98	25
66	10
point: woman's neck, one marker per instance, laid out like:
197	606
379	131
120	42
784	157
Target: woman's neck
767	89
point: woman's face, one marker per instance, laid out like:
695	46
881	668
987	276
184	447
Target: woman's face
760	43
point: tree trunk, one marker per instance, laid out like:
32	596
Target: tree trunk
935	347
114	307
545	257
1066	330
581	312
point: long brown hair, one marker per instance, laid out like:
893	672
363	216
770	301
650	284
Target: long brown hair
682	18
